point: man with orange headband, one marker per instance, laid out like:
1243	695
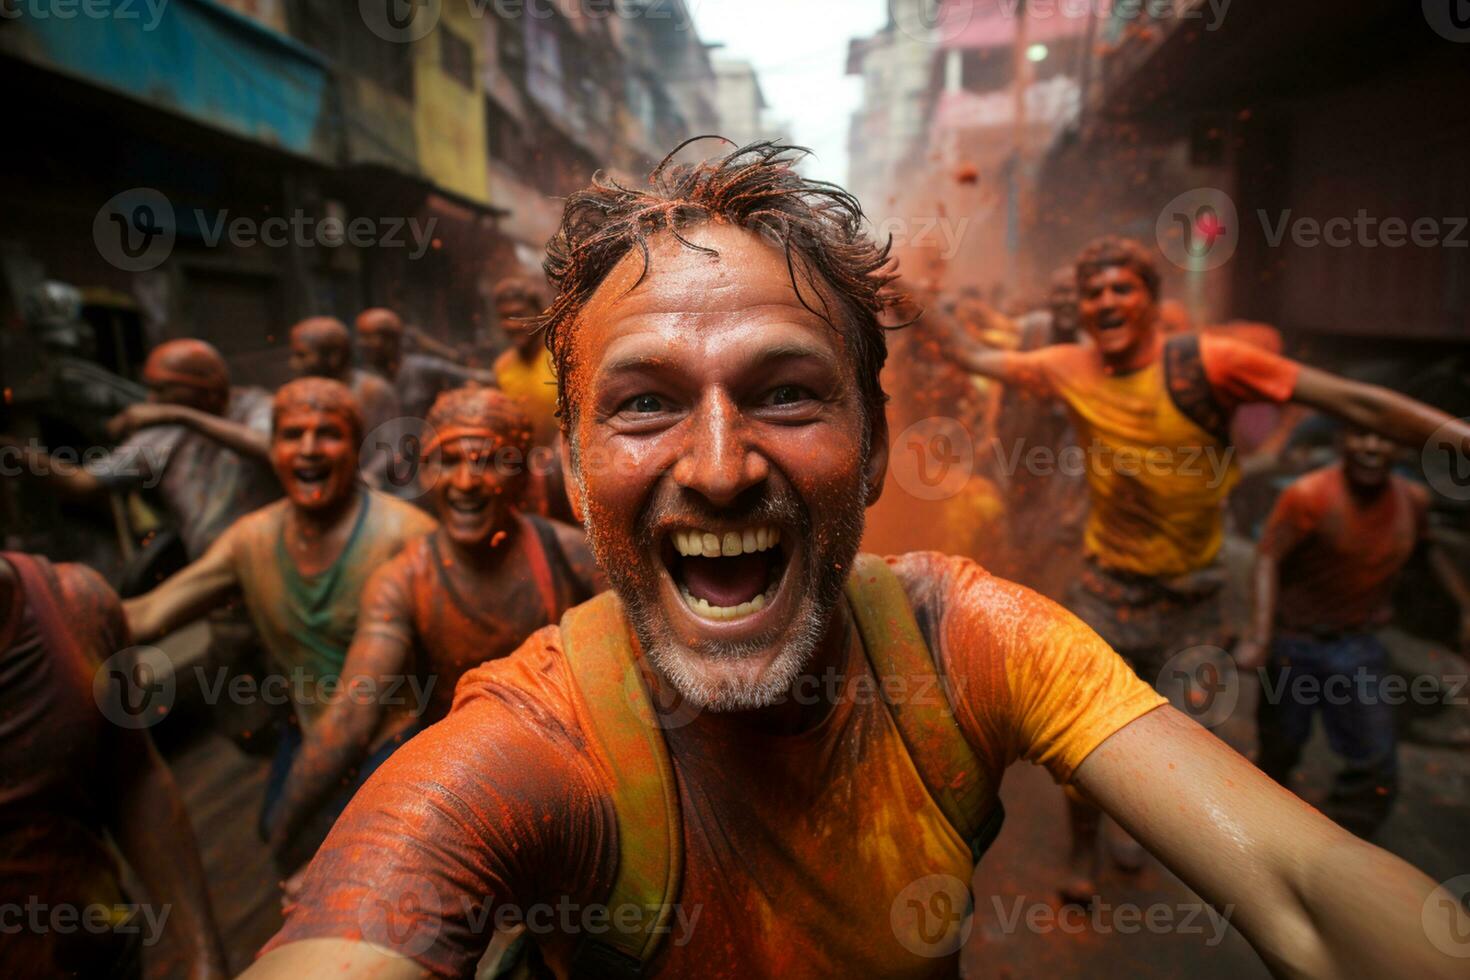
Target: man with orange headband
469	592
418	377
299	563
200	442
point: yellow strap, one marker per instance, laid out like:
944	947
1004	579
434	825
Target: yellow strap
604	667
918	697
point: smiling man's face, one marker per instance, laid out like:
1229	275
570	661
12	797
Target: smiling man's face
475	494
314	454
721	461
1118	312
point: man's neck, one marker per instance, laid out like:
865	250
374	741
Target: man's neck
312	524
1137	357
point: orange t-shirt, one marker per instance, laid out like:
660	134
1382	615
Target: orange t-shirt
1339	556
796	847
1157	481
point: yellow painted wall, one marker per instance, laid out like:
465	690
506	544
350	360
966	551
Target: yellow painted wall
449	119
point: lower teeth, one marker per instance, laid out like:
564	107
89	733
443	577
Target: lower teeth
701	607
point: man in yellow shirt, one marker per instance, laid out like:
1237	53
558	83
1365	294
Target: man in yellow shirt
1152	417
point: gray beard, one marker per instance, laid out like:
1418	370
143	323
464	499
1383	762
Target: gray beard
823	577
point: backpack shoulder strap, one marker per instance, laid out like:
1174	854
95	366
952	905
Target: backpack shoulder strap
949	767
596	640
1189	387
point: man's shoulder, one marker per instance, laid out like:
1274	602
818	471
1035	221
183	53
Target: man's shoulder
399	516
533	681
949	593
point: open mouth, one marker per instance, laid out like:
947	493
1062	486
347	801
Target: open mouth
312	476
727	574
467	506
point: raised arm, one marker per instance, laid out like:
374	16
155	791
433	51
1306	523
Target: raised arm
965	352
342	736
1313	900
186	595
1374	408
71	479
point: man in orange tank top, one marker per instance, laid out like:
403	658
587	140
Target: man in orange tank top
470	591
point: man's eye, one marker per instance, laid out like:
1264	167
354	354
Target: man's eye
643	404
787	395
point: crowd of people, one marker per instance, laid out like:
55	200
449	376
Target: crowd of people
636	670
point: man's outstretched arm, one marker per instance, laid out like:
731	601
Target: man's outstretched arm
1313	900
186	595
1374	408
334	958
234	436
968	354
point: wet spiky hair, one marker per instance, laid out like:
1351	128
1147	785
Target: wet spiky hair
818	225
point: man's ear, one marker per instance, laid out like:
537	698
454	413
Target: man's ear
876	467
572	485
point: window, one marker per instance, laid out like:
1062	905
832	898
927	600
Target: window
457	57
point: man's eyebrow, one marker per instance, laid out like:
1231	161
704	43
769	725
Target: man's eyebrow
765	358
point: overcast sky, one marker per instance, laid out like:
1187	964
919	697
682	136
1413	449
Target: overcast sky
799	49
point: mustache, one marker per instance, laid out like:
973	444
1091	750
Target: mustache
765	504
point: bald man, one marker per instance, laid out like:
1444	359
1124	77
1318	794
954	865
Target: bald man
198	444
321	346
419	378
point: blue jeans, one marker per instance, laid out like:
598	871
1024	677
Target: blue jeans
1340	676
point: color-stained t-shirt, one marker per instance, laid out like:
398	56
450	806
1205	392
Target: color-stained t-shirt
414	600
533	385
1339	556
205	486
62	765
1156	479
796	847
306	622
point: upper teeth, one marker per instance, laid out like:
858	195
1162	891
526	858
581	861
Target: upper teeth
711	545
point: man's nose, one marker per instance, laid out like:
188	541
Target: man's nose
308	443
718	461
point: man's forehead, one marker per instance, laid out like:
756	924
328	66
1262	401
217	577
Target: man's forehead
690	293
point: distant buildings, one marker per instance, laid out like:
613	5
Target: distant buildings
291	157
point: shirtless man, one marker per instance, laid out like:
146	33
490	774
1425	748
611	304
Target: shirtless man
418	378
725	433
1152	417
71	781
321	347
300	563
466	593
